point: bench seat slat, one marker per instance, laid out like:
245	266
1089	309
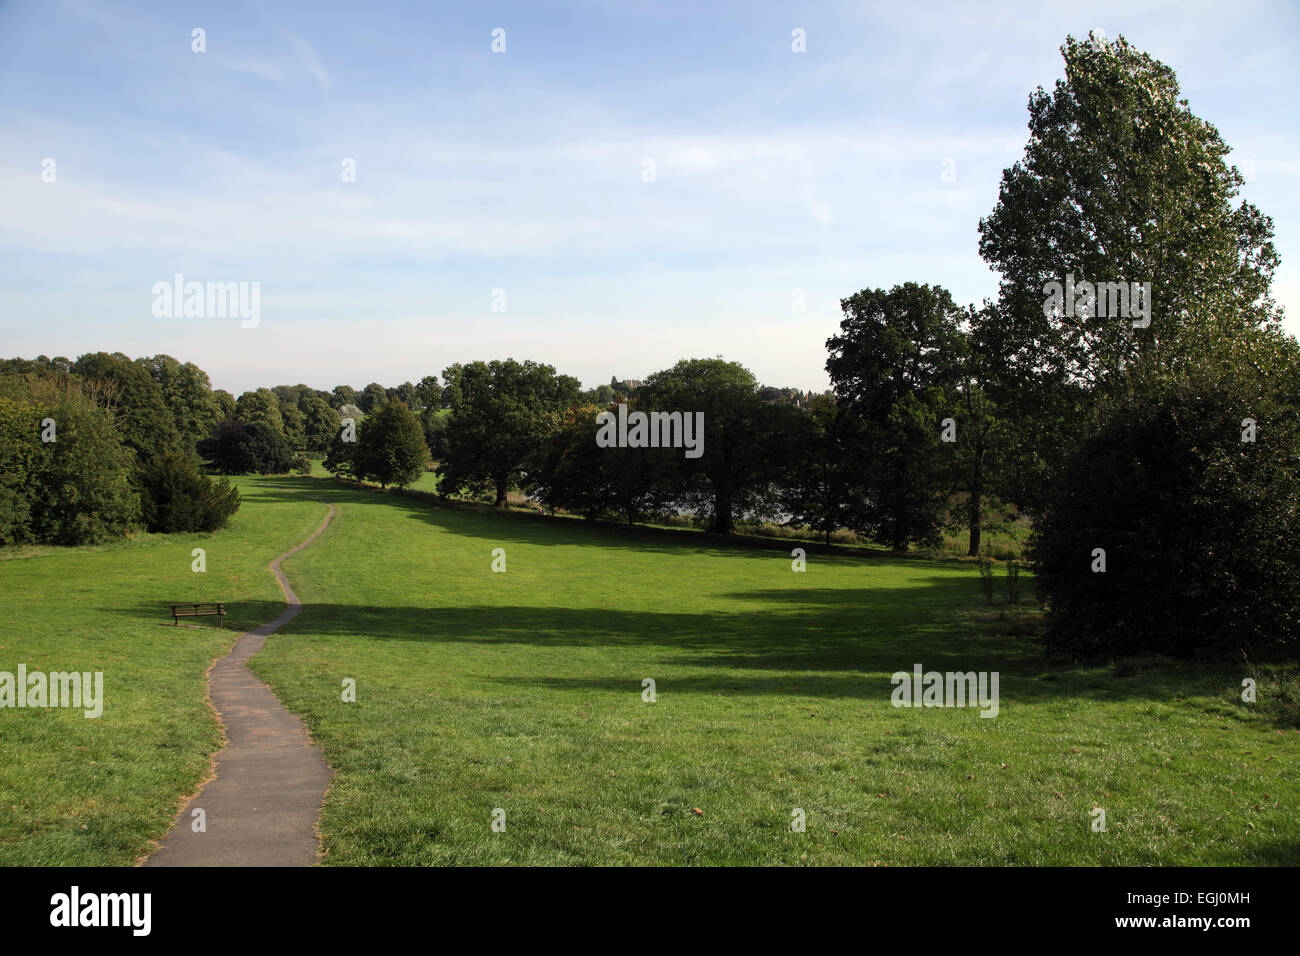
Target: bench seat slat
199	609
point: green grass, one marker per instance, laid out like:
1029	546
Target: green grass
523	691
80	792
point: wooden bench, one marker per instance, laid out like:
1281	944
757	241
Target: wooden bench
199	610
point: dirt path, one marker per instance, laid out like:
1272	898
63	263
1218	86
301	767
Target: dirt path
263	801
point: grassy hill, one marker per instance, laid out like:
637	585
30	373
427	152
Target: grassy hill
83	792
523	691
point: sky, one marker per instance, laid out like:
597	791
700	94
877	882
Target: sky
625	185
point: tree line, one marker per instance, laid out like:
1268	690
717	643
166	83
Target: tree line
1150	427
1157	454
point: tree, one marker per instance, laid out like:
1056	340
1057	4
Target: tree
565	471
181	498
1121	183
981	449
187	392
372	397
20	455
225	405
735	475
895	366
81	486
429	393
434	422
406	394
320	424
1187	487
601	395
823	487
391	447
238	448
341	460
500	413
344	395
260	406
146	424
573	472
295	428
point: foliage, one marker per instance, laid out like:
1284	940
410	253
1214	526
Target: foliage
178	497
260	406
391	448
742	454
894	367
1198	526
81	490
1013	581
238	448
986	576
501	412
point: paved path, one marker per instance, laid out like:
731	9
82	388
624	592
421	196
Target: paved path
264	799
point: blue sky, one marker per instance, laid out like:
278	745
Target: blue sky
523	171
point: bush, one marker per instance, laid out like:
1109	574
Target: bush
986	576
1199	527
73	490
178	497
20	450
81	491
1013	581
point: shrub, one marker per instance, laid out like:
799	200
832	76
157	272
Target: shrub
986	576
178	497
1199	527
80	488
1013	581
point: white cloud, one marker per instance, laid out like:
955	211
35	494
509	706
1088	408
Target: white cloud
307	54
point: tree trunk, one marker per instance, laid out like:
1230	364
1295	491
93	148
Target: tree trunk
976	499
501	494
722	522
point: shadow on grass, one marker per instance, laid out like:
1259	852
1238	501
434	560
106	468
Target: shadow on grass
830	642
836	646
486	522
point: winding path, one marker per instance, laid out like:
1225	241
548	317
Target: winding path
269	781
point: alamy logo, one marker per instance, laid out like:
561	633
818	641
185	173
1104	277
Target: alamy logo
653	430
953	689
208	300
103	909
1114	300
58	689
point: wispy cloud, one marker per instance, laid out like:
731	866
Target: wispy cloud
310	59
262	68
822	171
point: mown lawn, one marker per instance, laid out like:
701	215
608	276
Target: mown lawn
83	792
523	691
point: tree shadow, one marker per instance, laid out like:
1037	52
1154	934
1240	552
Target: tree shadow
822	645
802	640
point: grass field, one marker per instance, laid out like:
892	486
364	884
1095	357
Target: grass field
523	691
80	792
